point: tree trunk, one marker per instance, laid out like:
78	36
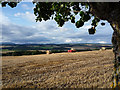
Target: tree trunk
111	13
116	50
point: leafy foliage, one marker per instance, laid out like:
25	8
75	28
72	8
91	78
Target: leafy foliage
11	4
62	12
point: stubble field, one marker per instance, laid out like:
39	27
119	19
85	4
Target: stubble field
92	69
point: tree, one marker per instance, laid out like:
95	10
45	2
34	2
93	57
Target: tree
62	12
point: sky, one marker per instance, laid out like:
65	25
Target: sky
19	26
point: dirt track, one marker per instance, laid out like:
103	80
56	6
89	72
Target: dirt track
62	70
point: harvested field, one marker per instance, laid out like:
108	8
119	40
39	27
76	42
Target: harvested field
61	70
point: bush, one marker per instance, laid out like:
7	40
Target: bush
20	53
58	51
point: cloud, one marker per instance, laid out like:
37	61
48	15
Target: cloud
20	34
46	25
73	40
26	7
4	19
49	32
18	14
102	42
27	16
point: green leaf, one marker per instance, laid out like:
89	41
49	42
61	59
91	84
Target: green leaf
79	23
82	13
86	17
4	4
73	19
61	23
57	18
95	22
86	6
62	5
92	30
12	4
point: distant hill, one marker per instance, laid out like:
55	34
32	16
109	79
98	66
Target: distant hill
80	46
7	43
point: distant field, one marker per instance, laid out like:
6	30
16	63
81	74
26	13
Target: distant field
53	46
32	49
61	70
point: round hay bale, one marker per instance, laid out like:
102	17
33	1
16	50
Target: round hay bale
48	52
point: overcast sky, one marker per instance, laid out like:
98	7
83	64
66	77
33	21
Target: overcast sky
19	26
